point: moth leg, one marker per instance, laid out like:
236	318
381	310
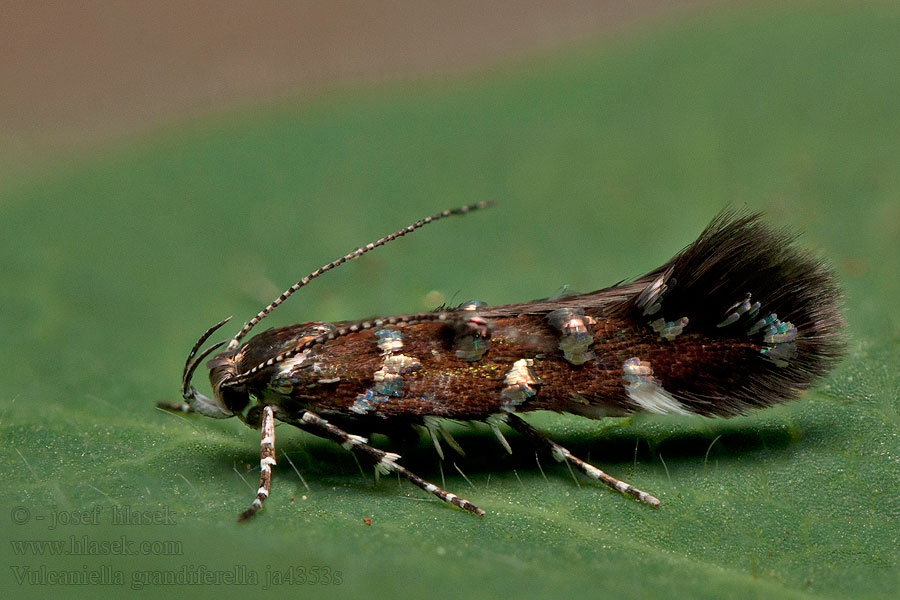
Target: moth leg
385	462
562	454
199	404
266	460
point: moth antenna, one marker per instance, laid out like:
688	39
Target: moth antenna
188	367
462	210
338	333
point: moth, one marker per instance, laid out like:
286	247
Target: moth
738	320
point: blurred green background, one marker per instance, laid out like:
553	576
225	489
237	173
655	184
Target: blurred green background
606	157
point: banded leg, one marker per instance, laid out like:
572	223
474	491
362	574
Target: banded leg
266	460
385	462
562	454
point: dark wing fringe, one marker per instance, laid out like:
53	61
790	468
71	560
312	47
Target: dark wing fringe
737	255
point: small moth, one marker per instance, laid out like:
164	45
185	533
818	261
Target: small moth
738	320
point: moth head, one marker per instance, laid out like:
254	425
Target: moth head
228	398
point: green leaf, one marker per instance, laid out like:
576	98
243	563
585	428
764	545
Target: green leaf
605	160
